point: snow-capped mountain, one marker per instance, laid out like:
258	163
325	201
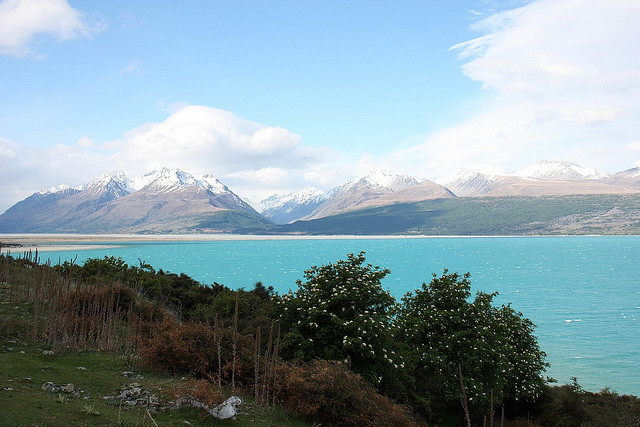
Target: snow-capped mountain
470	183
57	189
377	178
560	171
377	189
544	178
169	200
293	206
632	174
109	186
166	180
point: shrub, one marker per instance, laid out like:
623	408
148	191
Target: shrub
328	391
341	312
191	348
495	346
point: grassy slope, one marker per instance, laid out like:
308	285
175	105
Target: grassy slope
23	402
24	368
580	214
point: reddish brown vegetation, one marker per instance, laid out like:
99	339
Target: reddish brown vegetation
329	391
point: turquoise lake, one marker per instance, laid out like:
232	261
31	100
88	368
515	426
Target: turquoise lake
582	292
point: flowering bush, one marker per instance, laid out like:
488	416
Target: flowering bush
494	346
341	312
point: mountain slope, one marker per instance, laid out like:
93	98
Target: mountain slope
373	190
169	200
513	215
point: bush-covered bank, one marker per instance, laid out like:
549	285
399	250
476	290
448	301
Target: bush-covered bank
340	350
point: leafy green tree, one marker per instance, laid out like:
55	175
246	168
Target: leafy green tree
494	346
341	312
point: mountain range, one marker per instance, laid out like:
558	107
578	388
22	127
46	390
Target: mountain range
165	201
174	201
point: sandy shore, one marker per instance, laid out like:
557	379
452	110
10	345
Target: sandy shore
16	243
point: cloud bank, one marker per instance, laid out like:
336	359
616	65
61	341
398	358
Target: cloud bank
23	21
562	81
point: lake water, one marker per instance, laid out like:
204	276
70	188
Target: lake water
582	292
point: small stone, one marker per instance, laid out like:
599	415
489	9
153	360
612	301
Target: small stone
48	352
68	388
52	387
81	368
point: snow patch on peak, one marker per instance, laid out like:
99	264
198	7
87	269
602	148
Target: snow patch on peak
560	171
115	177
297	198
378	178
168	179
470	183
470	175
116	183
57	189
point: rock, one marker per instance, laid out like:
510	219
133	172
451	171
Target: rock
65	388
133	395
68	388
225	410
52	387
131	374
81	368
48	352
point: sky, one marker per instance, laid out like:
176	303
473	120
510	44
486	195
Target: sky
272	96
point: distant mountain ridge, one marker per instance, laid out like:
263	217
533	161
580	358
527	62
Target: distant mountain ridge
553	170
546	178
175	201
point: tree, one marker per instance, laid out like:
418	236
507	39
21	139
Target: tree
341	312
495	346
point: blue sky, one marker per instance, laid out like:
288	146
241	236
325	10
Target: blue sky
271	96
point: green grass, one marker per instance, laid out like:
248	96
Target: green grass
576	214
23	402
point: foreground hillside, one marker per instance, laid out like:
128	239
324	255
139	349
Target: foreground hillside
111	344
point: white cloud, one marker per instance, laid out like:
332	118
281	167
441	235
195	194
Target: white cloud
563	82
27	170
86	142
253	159
22	21
208	139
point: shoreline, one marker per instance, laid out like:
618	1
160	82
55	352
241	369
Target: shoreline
19	243
48	242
